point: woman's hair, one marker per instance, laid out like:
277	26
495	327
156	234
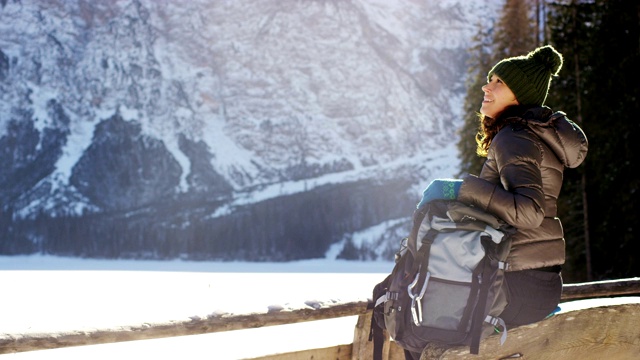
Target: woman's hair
488	129
489	126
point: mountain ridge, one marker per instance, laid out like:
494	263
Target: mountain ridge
115	108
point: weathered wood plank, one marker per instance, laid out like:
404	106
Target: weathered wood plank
363	348
598	289
340	352
361	344
605	332
10	343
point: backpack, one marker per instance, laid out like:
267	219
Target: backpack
447	284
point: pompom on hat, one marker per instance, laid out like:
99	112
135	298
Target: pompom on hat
529	76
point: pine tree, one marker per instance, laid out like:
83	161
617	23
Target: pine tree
601	39
514	34
478	64
516	30
571	27
597	88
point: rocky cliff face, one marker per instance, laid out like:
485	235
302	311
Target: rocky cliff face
208	129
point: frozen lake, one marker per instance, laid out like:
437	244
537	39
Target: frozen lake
44	294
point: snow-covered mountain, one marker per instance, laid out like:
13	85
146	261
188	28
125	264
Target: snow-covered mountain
219	129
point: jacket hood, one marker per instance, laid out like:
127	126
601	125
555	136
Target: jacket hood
562	135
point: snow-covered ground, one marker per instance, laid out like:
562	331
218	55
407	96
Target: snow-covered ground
43	294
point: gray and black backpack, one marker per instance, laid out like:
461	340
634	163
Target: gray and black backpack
447	286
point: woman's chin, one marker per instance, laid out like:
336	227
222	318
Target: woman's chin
484	110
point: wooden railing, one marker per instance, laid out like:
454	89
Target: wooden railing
11	343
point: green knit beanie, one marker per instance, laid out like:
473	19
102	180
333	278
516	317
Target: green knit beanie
529	76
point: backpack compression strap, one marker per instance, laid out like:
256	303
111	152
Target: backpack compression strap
377	335
376	332
478	320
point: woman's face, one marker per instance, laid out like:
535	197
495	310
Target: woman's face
497	97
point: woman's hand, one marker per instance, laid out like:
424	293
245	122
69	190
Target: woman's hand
446	189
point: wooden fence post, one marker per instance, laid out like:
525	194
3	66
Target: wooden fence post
363	348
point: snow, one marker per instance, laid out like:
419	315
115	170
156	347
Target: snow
443	163
42	294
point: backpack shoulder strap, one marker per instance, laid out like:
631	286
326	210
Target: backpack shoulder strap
418	216
420	248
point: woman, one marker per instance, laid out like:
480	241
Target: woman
527	146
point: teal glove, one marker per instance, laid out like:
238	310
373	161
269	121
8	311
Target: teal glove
446	189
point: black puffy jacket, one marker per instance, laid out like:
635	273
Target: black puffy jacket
521	179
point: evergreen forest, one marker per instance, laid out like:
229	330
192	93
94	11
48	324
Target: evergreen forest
598	88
